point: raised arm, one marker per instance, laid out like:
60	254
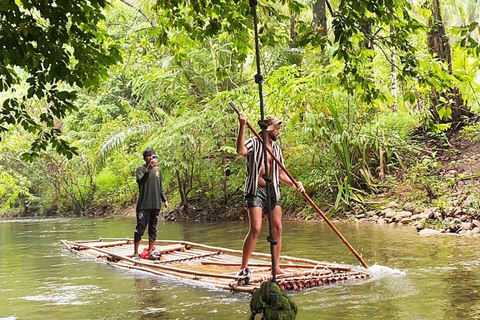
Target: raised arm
241	149
142	175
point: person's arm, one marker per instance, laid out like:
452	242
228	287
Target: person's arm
162	193
283	177
241	148
142	175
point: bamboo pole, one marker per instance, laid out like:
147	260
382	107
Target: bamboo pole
305	195
283	265
216	280
153	265
232	251
244	289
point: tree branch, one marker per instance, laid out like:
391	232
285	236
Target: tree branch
153	23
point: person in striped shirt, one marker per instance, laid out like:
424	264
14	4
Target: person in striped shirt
256	187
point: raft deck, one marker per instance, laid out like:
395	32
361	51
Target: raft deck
215	266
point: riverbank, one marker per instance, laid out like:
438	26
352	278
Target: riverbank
445	199
439	192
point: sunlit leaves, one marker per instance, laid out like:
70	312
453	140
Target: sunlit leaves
54	42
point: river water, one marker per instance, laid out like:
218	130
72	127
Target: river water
414	277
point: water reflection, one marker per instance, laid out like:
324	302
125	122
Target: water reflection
148	300
430	278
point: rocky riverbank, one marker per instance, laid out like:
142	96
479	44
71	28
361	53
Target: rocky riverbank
445	201
458	220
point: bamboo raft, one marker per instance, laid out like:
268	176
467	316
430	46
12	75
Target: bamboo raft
214	266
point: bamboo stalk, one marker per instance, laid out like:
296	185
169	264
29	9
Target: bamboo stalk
305	195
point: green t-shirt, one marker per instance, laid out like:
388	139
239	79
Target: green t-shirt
150	188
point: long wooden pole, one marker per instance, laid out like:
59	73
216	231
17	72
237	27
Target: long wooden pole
305	195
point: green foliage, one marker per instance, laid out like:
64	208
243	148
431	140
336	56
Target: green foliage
59	45
472	132
181	64
14	191
423	176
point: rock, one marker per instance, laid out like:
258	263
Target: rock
371	213
428	232
406	221
415	217
385	211
466	226
476	223
456	211
360	216
476	231
391	204
417	210
427	214
465	218
406	214
418	225
409	207
381	221
437	215
397	218
390	213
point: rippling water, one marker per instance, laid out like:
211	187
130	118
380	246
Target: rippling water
413	277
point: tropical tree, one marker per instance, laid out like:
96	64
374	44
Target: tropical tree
53	47
447	105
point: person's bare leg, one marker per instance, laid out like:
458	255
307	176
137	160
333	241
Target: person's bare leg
277	234
135	247
151	245
255	219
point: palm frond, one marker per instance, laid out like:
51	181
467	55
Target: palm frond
117	141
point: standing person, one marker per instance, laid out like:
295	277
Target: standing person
256	187
150	197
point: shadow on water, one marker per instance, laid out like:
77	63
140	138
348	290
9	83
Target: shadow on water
413	277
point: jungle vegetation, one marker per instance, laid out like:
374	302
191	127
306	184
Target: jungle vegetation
85	86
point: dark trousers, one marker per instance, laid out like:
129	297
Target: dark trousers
145	217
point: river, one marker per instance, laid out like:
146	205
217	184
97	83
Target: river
414	277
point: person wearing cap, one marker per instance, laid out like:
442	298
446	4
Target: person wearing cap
256	187
150	197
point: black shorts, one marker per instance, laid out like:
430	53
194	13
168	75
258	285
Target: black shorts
260	199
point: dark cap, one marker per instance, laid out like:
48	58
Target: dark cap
272	122
148	152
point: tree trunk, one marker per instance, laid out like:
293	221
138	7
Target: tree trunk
293	26
394	76
320	16
439	46
181	189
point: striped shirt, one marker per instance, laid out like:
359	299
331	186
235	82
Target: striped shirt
255	163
